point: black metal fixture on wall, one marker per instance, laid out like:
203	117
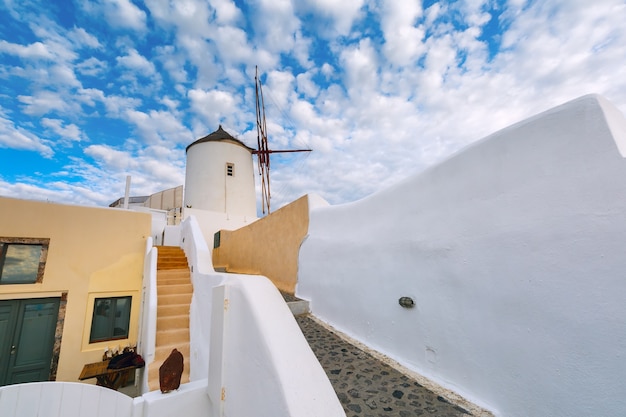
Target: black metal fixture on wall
406	302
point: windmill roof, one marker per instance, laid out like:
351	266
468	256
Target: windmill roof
220	135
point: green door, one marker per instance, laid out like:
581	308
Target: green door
27	330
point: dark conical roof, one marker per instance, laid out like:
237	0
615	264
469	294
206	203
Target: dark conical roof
220	135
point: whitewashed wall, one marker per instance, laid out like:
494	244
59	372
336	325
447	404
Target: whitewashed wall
211	222
260	363
146	345
244	338
207	187
69	399
513	251
64	399
204	279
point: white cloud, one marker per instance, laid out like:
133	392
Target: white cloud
44	102
232	44
171	60
226	12
111	158
152	169
92	67
120	14
306	85
158	127
116	106
69	131
55	39
136	62
276	25
360	63
342	14
403	39
62	75
14	137
81	38
36	50
189	18
215	106
327	70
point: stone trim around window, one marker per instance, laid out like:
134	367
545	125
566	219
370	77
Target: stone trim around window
44	242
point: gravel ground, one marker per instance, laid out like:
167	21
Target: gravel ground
367	387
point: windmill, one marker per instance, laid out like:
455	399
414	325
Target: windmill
263	152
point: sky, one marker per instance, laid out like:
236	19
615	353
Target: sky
94	90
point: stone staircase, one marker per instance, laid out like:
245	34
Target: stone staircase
174	292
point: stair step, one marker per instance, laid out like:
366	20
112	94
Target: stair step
169	299
161	267
162	352
173	322
299	307
174	291
173	274
174	288
173	281
172	337
166	248
182	263
172	310
171	257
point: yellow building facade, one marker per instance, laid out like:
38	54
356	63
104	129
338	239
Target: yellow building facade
84	286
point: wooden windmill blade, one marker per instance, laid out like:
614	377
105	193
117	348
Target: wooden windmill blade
262	148
263	152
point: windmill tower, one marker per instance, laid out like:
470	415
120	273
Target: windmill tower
220	176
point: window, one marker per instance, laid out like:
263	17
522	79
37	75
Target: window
111	317
22	260
230	169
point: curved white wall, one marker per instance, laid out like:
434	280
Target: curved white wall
207	187
513	251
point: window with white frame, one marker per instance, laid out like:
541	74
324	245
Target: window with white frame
111	319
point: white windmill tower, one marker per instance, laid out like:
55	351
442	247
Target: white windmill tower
220	175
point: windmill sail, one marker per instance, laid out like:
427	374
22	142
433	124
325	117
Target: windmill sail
263	152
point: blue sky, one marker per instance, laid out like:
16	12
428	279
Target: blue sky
92	91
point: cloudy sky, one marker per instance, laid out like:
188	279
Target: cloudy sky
94	90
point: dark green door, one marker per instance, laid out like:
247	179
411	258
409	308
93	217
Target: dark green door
27	339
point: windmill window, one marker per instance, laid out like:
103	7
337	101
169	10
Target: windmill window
22	260
230	169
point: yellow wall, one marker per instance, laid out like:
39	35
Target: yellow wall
93	252
268	246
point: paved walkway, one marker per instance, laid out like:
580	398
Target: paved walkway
368	387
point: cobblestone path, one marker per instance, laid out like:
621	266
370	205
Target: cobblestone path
367	387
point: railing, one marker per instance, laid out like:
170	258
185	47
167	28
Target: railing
244	337
147	340
260	364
